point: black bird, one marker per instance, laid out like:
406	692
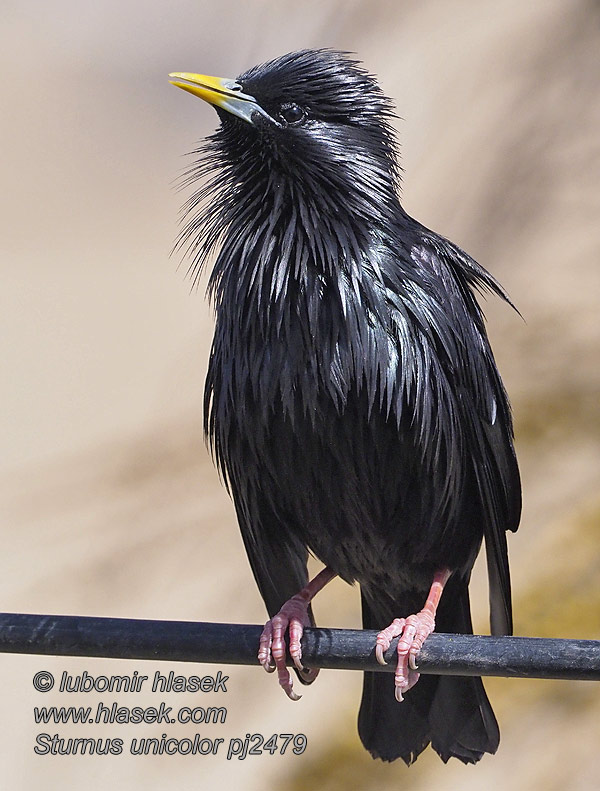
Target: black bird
352	399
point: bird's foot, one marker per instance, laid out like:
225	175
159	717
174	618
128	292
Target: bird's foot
293	617
412	631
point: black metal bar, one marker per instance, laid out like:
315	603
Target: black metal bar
344	649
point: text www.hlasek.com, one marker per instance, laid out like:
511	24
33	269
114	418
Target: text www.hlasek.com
112	713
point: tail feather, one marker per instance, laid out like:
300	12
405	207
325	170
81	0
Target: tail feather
452	713
389	729
462	722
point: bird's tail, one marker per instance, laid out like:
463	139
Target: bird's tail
452	713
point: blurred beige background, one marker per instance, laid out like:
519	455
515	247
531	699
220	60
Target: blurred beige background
110	504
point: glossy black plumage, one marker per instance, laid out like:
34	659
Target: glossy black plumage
352	399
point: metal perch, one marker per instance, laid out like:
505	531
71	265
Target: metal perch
340	649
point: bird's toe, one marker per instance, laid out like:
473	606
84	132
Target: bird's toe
385	637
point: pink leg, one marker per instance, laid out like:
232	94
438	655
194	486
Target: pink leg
293	616
412	631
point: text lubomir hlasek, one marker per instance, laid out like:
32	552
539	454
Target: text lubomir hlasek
169	682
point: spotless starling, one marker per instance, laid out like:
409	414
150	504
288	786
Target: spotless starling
352	400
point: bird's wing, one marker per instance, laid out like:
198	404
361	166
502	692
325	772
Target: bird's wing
277	560
276	556
484	410
498	482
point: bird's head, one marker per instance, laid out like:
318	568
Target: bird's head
306	134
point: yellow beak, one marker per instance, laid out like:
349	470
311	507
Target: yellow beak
221	92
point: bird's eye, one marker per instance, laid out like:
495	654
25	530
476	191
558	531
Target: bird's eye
292	114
